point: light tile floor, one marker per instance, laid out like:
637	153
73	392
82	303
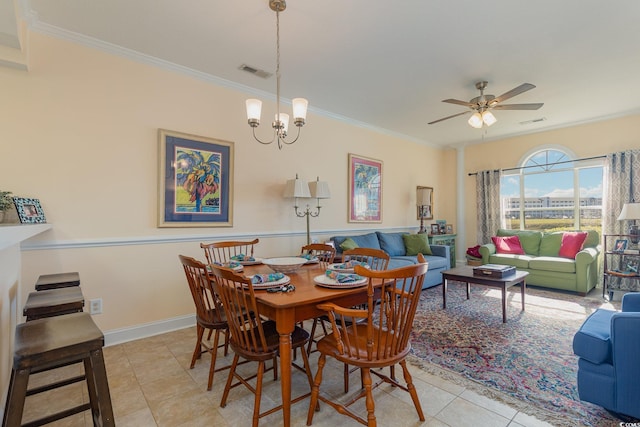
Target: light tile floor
151	385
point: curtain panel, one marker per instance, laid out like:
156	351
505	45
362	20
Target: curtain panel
488	197
622	185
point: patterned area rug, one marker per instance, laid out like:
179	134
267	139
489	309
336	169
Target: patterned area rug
527	362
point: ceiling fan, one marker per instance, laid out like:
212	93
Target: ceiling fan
481	105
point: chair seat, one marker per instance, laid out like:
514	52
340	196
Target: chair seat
53	302
57	280
356	354
593	341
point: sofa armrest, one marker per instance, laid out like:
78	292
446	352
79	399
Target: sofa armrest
586	256
441	250
486	251
631	302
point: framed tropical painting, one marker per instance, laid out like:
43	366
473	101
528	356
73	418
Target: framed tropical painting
365	189
195	181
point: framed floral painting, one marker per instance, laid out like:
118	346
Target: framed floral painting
195	181
365	189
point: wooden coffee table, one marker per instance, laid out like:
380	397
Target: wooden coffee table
465	274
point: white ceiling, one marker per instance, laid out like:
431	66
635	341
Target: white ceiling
386	65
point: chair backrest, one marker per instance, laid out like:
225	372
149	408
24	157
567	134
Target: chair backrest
208	308
238	299
382	330
377	259
325	253
221	252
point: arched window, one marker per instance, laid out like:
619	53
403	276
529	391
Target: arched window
552	190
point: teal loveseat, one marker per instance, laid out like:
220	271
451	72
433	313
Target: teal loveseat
545	267
393	244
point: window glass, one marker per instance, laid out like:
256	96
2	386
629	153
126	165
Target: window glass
551	192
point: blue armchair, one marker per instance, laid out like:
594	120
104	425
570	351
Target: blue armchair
608	347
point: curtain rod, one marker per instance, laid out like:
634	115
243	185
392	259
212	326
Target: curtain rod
545	164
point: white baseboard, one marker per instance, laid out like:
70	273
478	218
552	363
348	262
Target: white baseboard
119	336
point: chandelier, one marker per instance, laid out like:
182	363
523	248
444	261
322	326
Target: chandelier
281	122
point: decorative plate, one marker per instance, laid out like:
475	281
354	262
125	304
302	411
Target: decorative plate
255	261
258	286
313	260
335	268
327	282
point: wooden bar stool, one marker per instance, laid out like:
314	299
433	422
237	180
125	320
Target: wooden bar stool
53	342
57	280
53	302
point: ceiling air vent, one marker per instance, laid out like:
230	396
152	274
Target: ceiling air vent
255	71
530	122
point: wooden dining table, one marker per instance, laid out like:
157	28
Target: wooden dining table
289	308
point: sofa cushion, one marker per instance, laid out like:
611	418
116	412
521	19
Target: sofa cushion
547	263
369	240
550	243
529	239
348	244
392	243
435	262
518	261
508	245
417	244
572	243
593	341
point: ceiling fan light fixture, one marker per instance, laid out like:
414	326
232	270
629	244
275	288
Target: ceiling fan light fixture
488	118
475	121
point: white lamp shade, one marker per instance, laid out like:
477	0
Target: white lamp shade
254	109
423	197
475	120
320	189
284	118
488	118
630	211
299	108
296	188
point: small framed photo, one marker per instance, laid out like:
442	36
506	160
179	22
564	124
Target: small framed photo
620	246
448	229
29	211
435	229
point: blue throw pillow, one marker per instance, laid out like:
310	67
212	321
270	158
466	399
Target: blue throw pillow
392	243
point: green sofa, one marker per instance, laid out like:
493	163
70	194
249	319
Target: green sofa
545	267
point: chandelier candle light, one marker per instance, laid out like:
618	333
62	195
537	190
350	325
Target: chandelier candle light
281	122
317	189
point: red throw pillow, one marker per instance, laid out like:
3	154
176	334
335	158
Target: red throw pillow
572	243
508	245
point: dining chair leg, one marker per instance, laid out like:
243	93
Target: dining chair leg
412	390
227	387
214	355
258	394
315	389
369	403
198	350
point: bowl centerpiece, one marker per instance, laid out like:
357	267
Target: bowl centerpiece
284	265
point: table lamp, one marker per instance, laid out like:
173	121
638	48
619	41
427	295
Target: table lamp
631	212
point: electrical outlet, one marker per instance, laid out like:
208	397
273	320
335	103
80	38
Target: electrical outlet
95	306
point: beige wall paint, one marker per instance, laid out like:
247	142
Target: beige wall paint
588	140
80	133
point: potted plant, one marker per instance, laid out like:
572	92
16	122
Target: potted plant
6	201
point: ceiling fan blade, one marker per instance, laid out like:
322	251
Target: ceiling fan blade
458	102
513	92
449	117
518	106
